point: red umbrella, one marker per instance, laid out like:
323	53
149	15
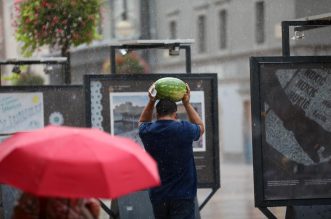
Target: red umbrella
18	1
75	162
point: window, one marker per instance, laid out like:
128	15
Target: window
201	34
173	29
222	29
259	22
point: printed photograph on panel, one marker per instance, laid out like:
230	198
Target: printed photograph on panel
126	107
125	110
198	102
297	121
21	111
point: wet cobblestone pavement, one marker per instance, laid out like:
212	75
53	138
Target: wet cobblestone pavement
235	198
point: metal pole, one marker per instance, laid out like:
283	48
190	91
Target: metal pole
188	58
125	11
145	27
112	60
285	38
207	198
1	205
267	213
107	210
67	73
112	19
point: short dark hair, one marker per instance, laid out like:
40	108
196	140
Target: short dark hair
166	107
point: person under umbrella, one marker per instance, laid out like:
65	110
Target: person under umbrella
30	206
72	162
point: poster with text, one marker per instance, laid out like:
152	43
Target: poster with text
295	118
21	111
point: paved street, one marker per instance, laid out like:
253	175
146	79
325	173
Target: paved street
235	199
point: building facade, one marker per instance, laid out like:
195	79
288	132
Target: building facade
227	33
2	33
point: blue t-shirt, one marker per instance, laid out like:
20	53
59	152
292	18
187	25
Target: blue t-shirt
169	142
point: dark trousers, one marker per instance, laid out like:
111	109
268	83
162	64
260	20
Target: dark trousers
174	209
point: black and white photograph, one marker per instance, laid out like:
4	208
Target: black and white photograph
295	122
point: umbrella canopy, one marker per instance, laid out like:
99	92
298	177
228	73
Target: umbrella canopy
18	1
75	162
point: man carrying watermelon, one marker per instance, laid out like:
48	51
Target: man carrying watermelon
169	142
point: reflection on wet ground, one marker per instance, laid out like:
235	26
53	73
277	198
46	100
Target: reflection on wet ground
235	198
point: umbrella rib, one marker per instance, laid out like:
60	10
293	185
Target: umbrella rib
102	168
43	172
108	184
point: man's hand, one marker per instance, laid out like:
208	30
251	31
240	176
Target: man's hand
186	97
152	93
147	113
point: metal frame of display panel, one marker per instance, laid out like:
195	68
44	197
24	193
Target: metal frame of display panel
299	26
50	88
61	110
146	80
257	127
174	47
261	67
63	61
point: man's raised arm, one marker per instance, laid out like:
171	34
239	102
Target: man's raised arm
147	113
191	112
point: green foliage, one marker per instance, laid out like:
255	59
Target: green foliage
131	63
13	77
25	79
58	23
30	79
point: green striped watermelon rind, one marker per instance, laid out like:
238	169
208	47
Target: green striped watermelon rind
170	88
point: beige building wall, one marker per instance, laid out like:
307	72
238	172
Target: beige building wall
232	62
11	45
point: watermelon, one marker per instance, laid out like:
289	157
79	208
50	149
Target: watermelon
170	88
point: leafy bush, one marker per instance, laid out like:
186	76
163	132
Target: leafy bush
131	63
29	79
25	79
58	23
